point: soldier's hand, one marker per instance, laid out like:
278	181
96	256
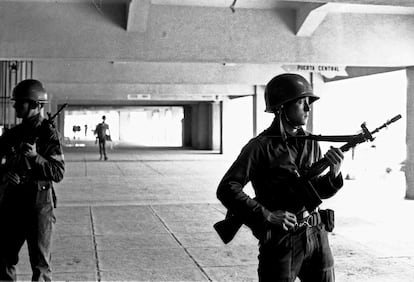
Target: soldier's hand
335	158
11	178
284	219
29	150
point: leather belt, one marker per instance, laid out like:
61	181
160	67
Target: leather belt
309	220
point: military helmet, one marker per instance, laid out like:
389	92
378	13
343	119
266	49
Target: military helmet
30	90
285	88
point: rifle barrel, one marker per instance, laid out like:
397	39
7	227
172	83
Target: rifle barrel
394	119
319	166
58	112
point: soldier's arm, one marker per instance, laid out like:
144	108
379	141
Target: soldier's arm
326	185
230	190
49	163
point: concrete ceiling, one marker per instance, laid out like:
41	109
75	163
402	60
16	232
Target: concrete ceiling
251	4
152	45
310	13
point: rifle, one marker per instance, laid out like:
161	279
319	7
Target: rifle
18	157
50	121
305	191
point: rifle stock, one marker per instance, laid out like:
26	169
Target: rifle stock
228	227
304	189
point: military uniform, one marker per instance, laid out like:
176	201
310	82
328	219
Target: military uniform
270	164
27	209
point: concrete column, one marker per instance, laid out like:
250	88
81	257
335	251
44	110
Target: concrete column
409	166
187	129
316	81
201	126
255	111
124	122
216	126
204	126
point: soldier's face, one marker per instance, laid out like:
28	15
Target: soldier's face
298	111
22	108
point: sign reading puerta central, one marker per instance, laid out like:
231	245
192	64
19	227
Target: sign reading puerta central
325	70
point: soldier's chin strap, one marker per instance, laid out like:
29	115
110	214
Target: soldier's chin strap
282	114
283	134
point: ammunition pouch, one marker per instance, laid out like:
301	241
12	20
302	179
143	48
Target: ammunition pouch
328	219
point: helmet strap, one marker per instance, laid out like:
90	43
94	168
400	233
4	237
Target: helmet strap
288	121
281	126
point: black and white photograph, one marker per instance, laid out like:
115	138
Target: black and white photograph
207	140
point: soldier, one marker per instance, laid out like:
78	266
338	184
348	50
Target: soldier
293	241
32	158
101	134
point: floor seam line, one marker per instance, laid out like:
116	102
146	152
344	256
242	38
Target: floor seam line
95	246
119	168
179	243
147	165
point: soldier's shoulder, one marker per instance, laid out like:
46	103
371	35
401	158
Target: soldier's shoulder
256	143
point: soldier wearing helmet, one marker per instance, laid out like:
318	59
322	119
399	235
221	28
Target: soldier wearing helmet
293	241
32	159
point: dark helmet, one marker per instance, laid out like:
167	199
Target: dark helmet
30	90
285	88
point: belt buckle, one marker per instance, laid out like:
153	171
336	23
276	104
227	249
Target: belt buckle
306	222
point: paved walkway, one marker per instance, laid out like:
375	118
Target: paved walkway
148	214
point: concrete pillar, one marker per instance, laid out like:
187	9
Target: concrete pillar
201	126
315	81
194	126
204	126
187	129
216	126
124	122
409	166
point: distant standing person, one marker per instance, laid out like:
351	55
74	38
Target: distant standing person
100	132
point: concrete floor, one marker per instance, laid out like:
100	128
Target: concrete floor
148	215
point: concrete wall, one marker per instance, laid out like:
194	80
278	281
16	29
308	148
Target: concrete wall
409	165
192	34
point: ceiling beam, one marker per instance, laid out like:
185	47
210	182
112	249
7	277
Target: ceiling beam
402	3
308	17
253	4
137	17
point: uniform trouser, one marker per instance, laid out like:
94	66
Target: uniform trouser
305	254
34	225
102	147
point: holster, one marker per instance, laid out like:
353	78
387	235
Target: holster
328	219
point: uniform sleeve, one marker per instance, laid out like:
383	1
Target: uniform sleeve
324	185
49	163
230	190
